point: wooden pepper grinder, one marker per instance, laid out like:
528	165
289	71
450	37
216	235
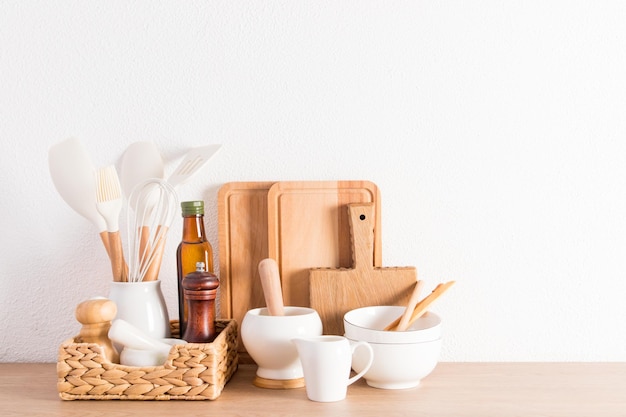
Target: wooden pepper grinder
200	291
95	315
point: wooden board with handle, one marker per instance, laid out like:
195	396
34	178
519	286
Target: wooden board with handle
334	292
308	227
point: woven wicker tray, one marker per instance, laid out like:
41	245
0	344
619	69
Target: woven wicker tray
193	371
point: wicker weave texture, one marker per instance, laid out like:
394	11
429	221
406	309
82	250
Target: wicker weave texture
193	371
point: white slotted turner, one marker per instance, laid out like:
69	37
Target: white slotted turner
195	159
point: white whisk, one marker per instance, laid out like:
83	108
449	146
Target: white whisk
151	208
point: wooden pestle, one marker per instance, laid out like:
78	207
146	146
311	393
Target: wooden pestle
272	290
95	315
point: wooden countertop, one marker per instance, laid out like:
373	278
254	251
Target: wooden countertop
453	389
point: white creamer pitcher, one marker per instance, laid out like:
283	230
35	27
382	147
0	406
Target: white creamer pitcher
326	362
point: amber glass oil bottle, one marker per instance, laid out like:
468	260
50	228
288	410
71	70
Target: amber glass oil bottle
193	248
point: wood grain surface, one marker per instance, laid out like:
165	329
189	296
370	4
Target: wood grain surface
453	389
334	292
242	228
308	227
299	224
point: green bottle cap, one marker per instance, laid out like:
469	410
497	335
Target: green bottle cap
192	208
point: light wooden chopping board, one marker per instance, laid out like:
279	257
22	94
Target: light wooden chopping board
334	292
308	227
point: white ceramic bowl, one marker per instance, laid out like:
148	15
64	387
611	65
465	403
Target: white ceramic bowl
401	359
367	323
267	340
398	365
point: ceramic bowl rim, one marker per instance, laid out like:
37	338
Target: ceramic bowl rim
381	336
305	311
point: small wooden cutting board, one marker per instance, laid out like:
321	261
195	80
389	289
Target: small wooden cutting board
334	292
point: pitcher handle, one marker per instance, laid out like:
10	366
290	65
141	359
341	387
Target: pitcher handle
369	362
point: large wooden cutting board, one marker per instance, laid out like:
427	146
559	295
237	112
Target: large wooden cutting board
242	228
308	227
334	292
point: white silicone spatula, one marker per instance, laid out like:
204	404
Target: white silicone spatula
72	173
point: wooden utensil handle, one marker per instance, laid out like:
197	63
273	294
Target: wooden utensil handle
270	281
118	263
423	305
406	317
144	246
420	308
104	236
156	255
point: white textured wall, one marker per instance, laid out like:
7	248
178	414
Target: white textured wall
495	130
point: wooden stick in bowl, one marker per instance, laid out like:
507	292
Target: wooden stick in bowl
422	306
404	320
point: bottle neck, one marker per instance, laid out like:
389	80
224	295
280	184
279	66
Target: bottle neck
193	228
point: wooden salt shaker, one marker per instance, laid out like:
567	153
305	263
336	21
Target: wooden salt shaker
95	315
200	291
